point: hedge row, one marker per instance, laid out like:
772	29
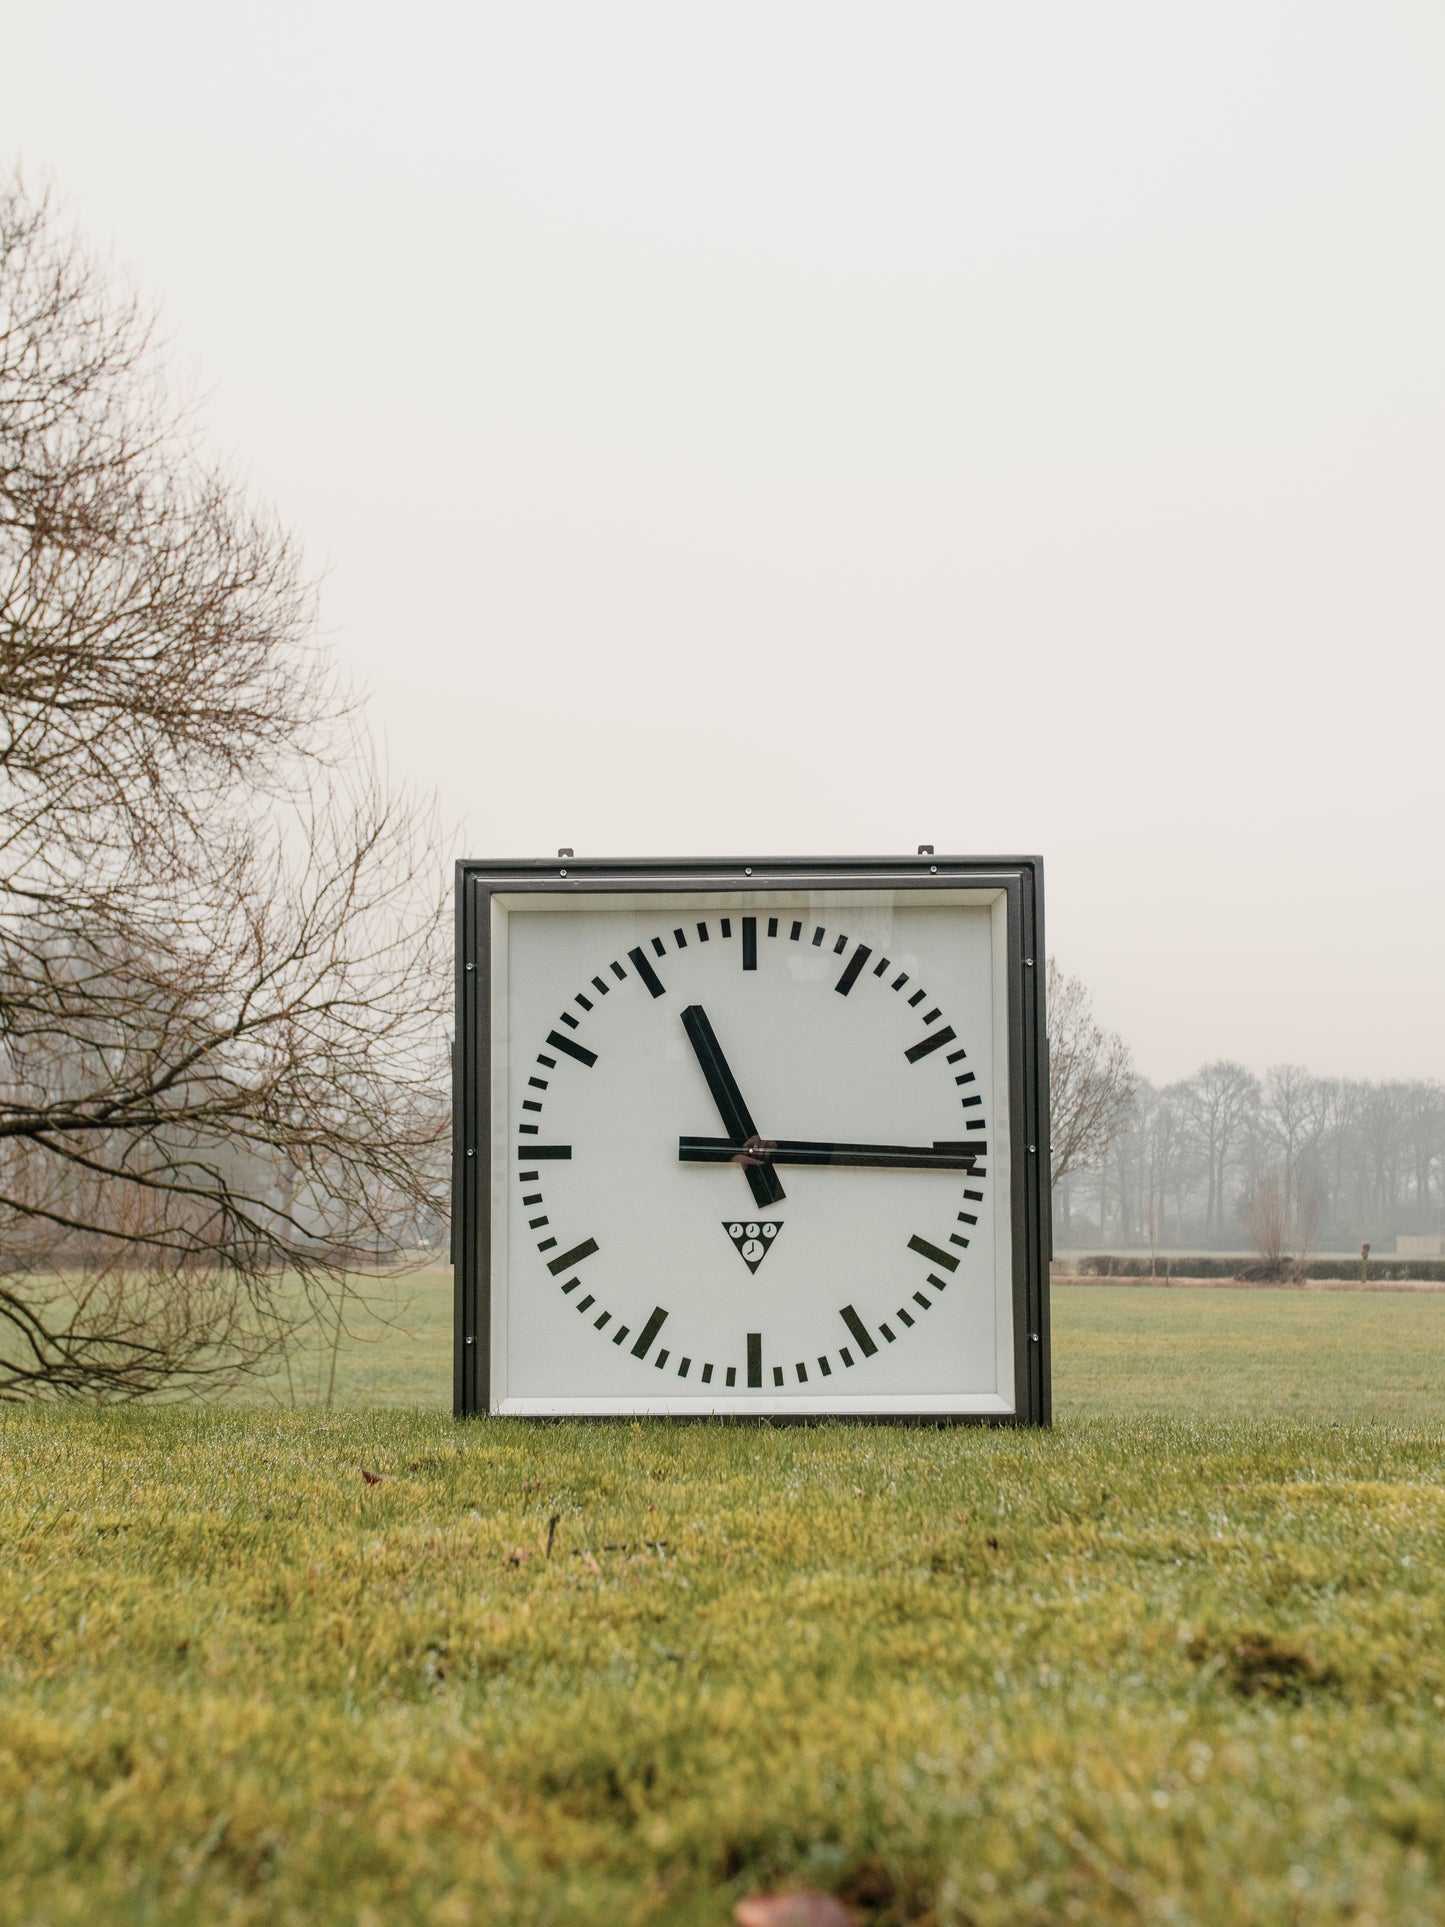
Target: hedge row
1379	1271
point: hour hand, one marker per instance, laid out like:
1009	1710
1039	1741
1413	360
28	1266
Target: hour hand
737	1120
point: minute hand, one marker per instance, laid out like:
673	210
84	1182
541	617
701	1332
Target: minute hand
938	1156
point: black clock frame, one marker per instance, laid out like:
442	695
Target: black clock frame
1022	881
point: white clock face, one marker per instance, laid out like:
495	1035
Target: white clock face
750	1153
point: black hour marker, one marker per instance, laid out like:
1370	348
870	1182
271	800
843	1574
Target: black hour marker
975	1197
899	982
967	1217
527	1130
845	1354
570	1022
620	1334
957	1238
887	1331
801	1369
919	1299
530	1104
534	1197
755	1360
605	1319
646	972
777	1374
853	970
880	966
727	930
535	1224
680	939
840	946
586	1002
684	1368
572	1257
659	946
661	1358
527	1177
616	968
772	926
732	1377
600	987
550	1062
938	1284
964	1077
586	1304
538	1083
547	1244
795	932
860	1332
906	1316
543	1151
817	936
935	1042
931	1016
707	1369
702	935
579	1051
750	943
917	998
955	1057
572	1284
824	1367
649	1331
969	1102
932	1252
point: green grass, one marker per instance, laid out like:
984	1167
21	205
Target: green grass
1179	1660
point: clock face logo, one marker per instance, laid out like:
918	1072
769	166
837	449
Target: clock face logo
796	1083
752	1240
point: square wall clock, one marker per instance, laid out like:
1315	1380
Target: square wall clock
762	1137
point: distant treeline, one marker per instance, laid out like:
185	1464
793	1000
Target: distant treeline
1355	1160
1379	1271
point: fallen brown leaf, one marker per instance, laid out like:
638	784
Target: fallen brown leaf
376	1478
802	1908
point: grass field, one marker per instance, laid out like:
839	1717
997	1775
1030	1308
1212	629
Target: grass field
1179	1660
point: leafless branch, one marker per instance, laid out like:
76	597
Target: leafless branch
222	978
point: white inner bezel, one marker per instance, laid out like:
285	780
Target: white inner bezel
727	900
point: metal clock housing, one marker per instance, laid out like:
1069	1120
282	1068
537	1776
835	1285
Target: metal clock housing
751	1136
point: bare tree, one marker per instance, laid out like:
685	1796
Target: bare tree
1091	1079
1265	1208
1222	1098
1289	1114
221	964
1309	1206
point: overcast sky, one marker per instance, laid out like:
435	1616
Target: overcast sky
789	428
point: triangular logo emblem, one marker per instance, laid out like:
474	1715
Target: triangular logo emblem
752	1238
